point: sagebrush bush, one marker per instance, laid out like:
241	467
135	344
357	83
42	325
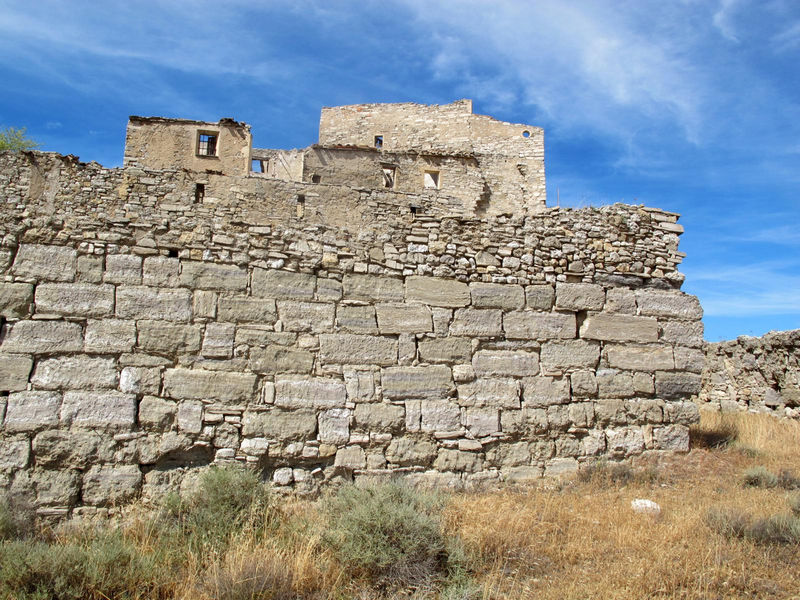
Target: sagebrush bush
225	499
727	522
794	505
390	533
17	518
106	567
775	529
760	477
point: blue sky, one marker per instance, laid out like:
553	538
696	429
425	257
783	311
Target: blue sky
692	106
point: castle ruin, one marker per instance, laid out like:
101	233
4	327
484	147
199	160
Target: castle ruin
396	300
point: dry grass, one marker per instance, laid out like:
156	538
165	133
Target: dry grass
580	540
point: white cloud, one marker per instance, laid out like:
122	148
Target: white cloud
724	19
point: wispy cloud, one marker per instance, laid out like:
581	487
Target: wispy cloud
724	19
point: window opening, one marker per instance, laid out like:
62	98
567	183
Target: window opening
301	207
379	141
206	144
431	180
526	134
172	253
199	192
257	166
389	174
414	211
316	178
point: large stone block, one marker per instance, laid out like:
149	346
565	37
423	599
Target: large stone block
505	363
529	325
675	305
689	359
545	391
212	276
163	337
74	449
503	393
356	319
45	263
352	457
218	340
350	349
477	322
445	350
163	304
75	372
481	422
379	417
75	299
440	415
157	414
671	437
109	336
334	426
100	410
15	300
540	296
640	358
56	487
283	285
111	485
417	382
435	291
497	295
280	359
569	354
15	453
244	309
303	392
213	386
620	328
371	288
123	269
161	271
14	372
31	411
403	318
42	337
613	384
455	460
580	296
280	425
316	317
683	333
677	386
620	300
406	452
625	441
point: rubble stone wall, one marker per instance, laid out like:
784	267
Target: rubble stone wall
144	334
756	374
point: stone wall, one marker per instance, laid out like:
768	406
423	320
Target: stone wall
756	374
146	333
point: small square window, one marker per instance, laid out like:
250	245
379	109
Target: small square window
389	174
379	141
206	144
431	180
316	178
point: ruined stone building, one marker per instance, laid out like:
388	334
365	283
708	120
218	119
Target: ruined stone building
396	300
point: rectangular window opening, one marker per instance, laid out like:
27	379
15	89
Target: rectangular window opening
414	212
316	178
389	174
431	180
206	144
257	166
199	192
379	141
301	206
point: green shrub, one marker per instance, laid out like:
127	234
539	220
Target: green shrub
727	522
777	529
787	480
390	533
226	499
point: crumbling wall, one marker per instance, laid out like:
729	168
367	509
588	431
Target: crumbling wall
756	374
145	333
510	155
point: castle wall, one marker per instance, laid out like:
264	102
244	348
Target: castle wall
756	374
145	334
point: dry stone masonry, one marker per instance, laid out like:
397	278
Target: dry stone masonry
754	374
159	318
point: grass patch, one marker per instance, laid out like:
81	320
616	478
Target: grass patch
17	518
714	431
762	477
605	473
